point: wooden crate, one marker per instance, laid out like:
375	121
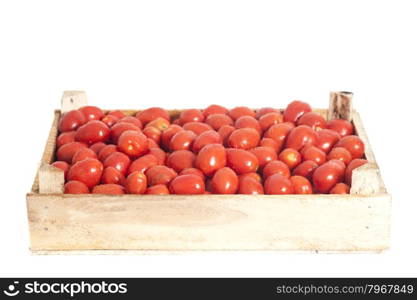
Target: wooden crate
62	223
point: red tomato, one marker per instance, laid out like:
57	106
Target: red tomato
218	120
159	154
106	151
87	171
182	140
119	128
242	161
160	175
65	138
353	144
76	187
268	142
305	169
278	133
92	132
340	188
151	114
64	166
133	143
340	153
248	122
253	175
342	127
132	120
96	147
276	167
71	121
264	110
313	153
112	175
250	186
187	185
356	163
300	137
270	119
295	110
152	143
143	163
92	113
197	127
211	158
82	154
108	189
168	134
225	181
327	175
278	185
116	113
206	138
136	183
215	109
301	185
159	123
237	112
264	155
312	119
67	151
193	171
153	133
244	138
109	120
191	115
118	160
290	157
159	189
180	160
326	139
225	131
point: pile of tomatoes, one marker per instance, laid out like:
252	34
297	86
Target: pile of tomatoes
215	150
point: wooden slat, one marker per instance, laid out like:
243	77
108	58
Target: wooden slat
73	100
340	106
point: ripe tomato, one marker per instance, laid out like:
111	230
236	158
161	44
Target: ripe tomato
206	138
218	120
159	189
182	140
276	167
67	151
92	113
132	120
118	160
109	120
225	131
151	114
159	123
295	110
96	147
290	157
326	139
268	142
342	127
250	186
180	160
215	109
160	175
108	189
143	163
187	185
211	158
264	155
168	134
301	185
305	169
92	132
327	175
112	175
159	154
106	151
193	171
119	128
353	144
133	143
312	119
313	153
237	112
191	115
197	127
64	166
76	187
136	183
87	171
225	181
65	138
340	188
244	138
83	153
269	119
341	154
71	120
278	185
153	133
301	136
116	113
248	122
253	175
264	110
278	133
242	161
356	163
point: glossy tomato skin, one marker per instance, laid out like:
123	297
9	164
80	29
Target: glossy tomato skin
270	119
264	155
242	161
225	181
136	183
159	154
87	171
276	167
215	109
218	120
353	144
159	123
326	139
197	127
76	187
91	113
278	185
268	142
250	186
108	189
253	175
67	151
109	120
116	113
312	119
92	132
355	163
193	171
278	133
71	120
180	160
112	175
244	138
117	160
187	185
340	188
264	110
313	153
290	157
239	111
301	136
305	169
341	154
153	133
64	166
211	158
96	147
133	143
295	110
65	138
206	138
119	128
143	163
83	153
301	185
248	122
132	120
342	127
182	140
327	175
160	175
106	151
191	115
225	131
159	189
168	133
151	114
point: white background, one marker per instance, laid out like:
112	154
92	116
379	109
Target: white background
134	54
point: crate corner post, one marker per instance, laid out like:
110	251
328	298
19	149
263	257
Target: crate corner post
73	100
